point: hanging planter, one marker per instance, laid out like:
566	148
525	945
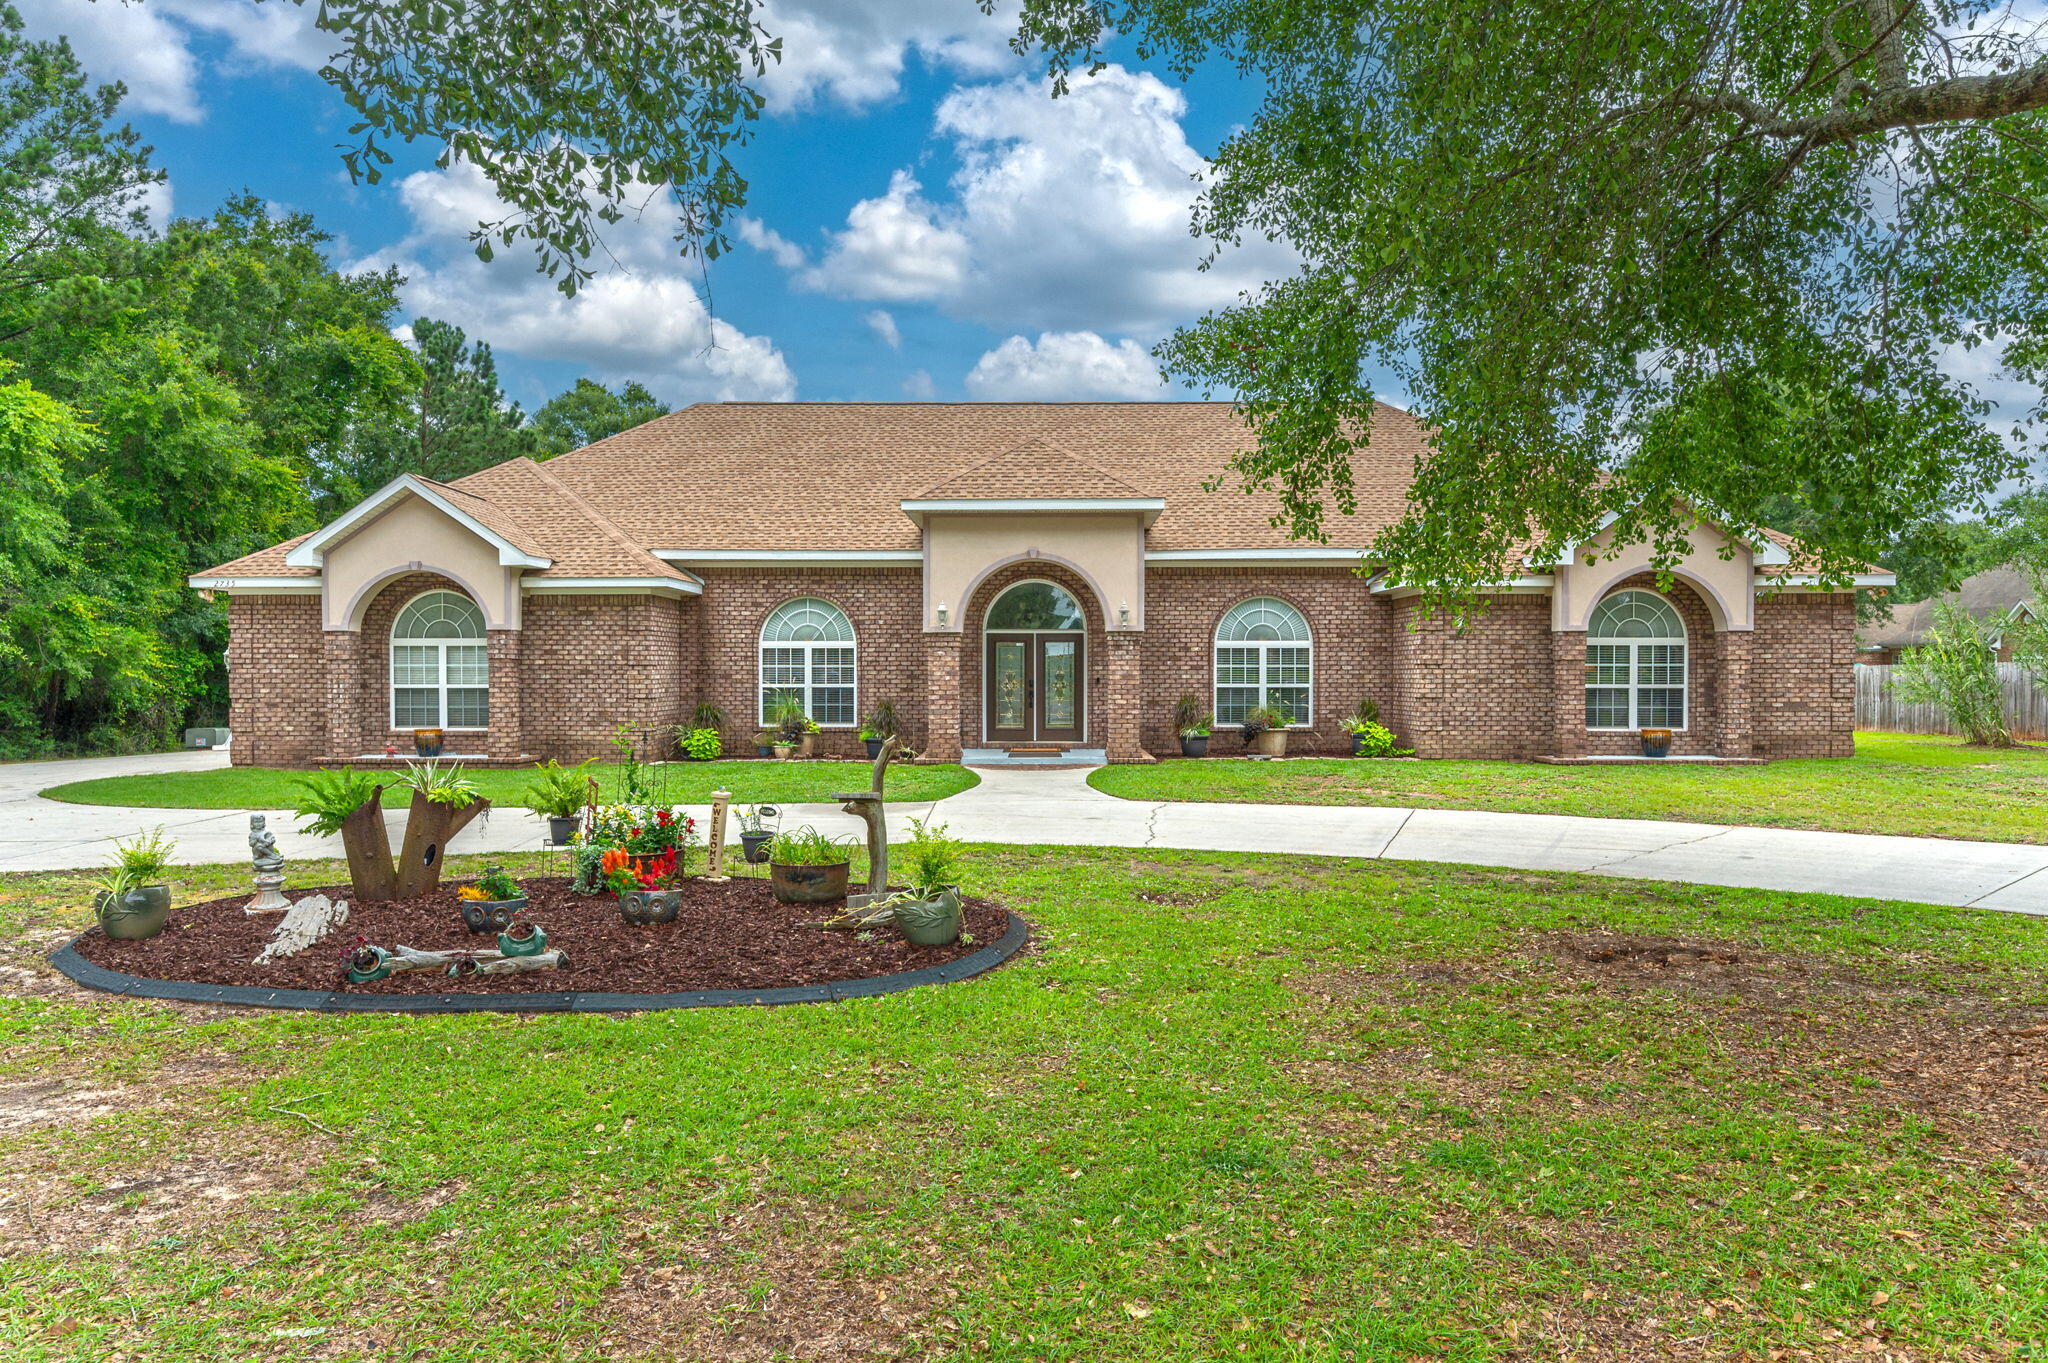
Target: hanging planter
756	846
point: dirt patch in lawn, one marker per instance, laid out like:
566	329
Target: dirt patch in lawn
729	936
769	1283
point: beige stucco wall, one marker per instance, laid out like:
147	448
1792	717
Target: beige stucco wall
1728	586
414	537
1107	550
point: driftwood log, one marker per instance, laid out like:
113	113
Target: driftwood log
487	961
867	806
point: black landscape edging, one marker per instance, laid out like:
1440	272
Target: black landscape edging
92	976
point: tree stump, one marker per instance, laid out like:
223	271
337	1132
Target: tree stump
867	806
428	829
368	848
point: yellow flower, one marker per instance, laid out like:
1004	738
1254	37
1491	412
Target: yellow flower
471	892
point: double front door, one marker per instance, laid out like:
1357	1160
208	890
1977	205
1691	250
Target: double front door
1032	686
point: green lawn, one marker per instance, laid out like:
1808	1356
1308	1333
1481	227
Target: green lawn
684	782
1230	1107
1926	786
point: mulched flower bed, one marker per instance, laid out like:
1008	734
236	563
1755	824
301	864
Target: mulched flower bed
730	936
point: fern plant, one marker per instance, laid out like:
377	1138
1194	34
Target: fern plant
326	798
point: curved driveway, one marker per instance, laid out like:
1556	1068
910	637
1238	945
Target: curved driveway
1057	806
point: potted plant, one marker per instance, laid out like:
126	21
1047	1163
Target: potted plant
523	938
637	882
807	746
806	867
878	728
757	830
489	903
1656	742
364	962
558	794
1265	729
132	901
427	742
1369	737
1194	725
790	725
702	739
764	743
929	915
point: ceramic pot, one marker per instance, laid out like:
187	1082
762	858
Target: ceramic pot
933	922
756	845
562	828
874	746
782	750
807	884
1358	745
489	915
1194	747
136	916
427	742
764	750
1656	742
644	908
810	747
367	964
533	944
1270	743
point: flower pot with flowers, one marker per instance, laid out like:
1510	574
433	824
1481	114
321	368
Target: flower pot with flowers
1265	729
640	884
489	903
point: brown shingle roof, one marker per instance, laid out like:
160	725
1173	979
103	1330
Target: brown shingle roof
1990	594
1037	468
580	539
745	475
265	562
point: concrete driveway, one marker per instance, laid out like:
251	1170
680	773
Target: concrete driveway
1057	806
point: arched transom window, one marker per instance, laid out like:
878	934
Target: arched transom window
440	664
1036	605
1635	664
1263	657
807	655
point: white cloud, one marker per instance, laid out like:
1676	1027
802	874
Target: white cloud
1065	213
641	319
853	54
149	47
1065	365
884	326
919	386
770	242
893	249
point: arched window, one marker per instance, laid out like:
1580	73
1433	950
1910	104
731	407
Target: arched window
1635	664
1263	657
807	654
440	664
1036	605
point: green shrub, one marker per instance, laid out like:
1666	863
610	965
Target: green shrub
934	858
146	856
1957	672
1374	739
495	884
700	744
438	784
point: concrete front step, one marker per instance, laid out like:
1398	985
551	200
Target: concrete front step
1637	760
1013	757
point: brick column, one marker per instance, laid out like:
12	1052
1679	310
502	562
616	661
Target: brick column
507	736
1124	697
1568	692
942	698
1732	655
342	650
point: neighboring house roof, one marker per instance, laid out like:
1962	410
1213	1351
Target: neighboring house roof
730	478
1993	593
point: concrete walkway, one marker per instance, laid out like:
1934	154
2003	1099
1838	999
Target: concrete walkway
1057	806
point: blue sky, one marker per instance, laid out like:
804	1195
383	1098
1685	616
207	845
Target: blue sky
924	220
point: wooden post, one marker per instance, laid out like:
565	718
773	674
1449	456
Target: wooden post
867	806
715	843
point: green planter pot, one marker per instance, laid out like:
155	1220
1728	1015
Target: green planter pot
532	945
138	915
933	922
808	884
367	964
489	915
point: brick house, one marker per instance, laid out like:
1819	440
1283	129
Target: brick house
1034	574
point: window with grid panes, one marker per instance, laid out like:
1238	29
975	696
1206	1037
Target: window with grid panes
807	652
1635	664
1264	656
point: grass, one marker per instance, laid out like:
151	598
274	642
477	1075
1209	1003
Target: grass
1229	1107
1920	785
686	782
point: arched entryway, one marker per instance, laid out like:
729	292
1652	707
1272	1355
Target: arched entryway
1034	666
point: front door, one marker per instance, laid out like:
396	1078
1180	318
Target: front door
1033	688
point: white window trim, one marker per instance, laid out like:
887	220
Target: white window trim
1684	688
441	690
1217	643
762	644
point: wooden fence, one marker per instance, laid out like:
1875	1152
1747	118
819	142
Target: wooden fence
2026	704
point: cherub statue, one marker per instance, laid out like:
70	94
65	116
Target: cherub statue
263	853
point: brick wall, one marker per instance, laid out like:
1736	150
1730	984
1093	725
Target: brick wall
592	663
1802	675
1702	732
885	606
1483	690
1347	625
277	681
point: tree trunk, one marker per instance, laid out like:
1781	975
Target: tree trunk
429	827
368	848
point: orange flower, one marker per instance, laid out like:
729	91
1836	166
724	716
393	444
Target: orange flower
614	859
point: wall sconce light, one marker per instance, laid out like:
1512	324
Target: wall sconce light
1123	615
942	615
